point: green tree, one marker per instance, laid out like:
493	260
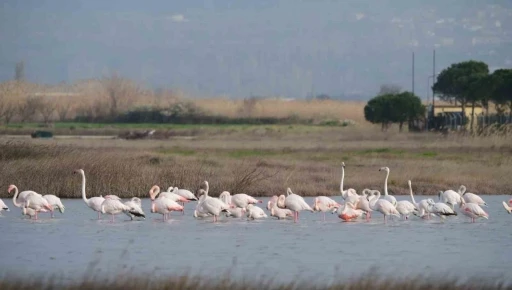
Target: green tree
502	89
393	108
459	82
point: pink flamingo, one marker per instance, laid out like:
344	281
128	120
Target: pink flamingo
324	204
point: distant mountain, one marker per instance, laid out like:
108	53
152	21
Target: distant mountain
241	48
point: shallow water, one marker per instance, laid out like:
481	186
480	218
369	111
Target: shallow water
75	242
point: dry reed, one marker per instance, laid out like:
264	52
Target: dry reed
138	281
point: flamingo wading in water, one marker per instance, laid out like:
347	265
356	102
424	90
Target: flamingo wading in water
294	203
93	203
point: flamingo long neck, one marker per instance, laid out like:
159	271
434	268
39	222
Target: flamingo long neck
412	196
207	189
341	183
373	201
462	190
83	188
386	183
14	201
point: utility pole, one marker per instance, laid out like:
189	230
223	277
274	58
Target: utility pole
413	72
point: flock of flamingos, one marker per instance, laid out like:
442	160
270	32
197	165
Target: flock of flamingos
355	206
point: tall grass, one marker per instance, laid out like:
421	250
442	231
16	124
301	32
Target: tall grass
309	163
151	282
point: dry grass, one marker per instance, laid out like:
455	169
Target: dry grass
138	281
261	163
313	109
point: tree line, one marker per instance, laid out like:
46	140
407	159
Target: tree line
467	83
470	83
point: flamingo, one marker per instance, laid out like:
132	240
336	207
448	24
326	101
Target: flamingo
348	192
387	196
29	212
324	203
3	206
225	196
135	205
187	194
405	208
383	206
55	202
350	213
36	202
421	206
237	212
184	193
162	205
114	206
472	210
440	209
94	202
293	202
450	197
507	207
471	197
239	200
212	206
255	212
276	211
19	198
155	190
364	204
200	212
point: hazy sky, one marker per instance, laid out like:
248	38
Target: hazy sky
258	47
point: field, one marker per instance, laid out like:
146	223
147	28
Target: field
258	160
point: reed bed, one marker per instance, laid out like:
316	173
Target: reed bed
150	282
260	165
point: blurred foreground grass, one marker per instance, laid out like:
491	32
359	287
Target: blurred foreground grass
138	281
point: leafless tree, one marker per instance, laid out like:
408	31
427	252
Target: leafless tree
28	108
47	108
120	92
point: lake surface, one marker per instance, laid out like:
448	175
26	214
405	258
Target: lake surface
75	242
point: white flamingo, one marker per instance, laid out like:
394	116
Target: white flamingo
241	200
3	206
387	196
349	212
405	208
472	210
324	204
31	199
213	206
237	212
471	197
294	203
422	206
200	212
162	205
155	190
348	192
93	203
113	206
29	212
135	205
450	197
275	211
363	203
507	207
383	206
255	212
36	202
440	209
19	198
184	193
55	202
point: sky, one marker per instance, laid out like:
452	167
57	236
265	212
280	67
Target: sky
241	48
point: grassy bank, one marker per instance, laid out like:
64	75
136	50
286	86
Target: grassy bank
137	281
261	161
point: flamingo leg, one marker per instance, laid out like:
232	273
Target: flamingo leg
36	215
52	214
384	218
112	218
324	216
99	215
